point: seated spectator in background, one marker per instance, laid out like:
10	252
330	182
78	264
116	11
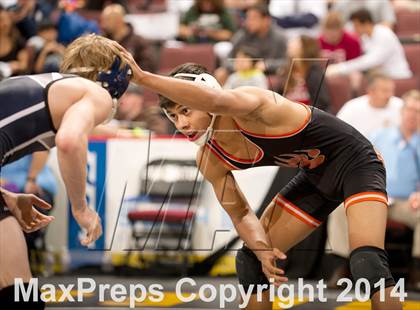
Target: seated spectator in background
71	24
381	10
337	44
27	14
31	175
383	51
399	146
379	108
48	52
14	58
302	80
206	21
262	35
237	8
400	149
246	73
114	27
300	15
132	114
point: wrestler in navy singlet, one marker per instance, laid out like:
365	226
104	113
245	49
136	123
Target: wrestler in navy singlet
336	164
25	121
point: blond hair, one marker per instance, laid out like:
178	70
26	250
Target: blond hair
88	55
333	20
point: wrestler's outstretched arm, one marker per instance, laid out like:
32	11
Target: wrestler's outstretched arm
241	101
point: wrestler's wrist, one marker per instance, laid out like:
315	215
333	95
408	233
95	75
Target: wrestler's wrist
140	76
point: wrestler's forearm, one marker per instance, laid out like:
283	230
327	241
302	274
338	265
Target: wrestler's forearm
252	233
72	161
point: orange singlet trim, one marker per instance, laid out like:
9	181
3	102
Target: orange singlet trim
296	211
365	196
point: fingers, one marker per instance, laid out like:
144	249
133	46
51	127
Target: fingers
93	234
39	221
279	254
40	203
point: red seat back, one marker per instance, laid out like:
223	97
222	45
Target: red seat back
202	54
340	91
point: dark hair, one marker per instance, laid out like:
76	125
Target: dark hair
217	4
188	67
363	16
46	25
250	52
260	8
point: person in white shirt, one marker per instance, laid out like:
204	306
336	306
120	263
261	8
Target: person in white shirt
383	51
379	108
376	110
381	10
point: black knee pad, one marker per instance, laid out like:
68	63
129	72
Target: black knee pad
249	269
371	263
7	299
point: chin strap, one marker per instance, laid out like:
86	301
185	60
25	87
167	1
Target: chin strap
208	134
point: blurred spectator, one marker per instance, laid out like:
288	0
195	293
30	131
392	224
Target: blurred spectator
31	175
374	111
381	11
246	74
400	148
302	80
390	60
206	21
336	43
298	13
237	8
48	52
115	28
133	114
23	13
262	35
71	24
14	58
379	108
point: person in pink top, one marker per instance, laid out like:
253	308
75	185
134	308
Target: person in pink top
337	44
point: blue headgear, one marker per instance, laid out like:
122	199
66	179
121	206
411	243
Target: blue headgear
115	80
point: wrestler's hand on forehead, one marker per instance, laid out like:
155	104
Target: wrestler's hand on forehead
128	58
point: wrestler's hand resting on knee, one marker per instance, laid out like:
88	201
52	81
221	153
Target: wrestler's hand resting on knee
22	206
268	261
90	221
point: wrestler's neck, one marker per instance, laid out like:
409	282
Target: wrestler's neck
225	131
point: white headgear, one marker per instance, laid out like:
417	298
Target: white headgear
209	81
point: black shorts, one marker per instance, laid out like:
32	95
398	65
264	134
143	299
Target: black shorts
304	199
